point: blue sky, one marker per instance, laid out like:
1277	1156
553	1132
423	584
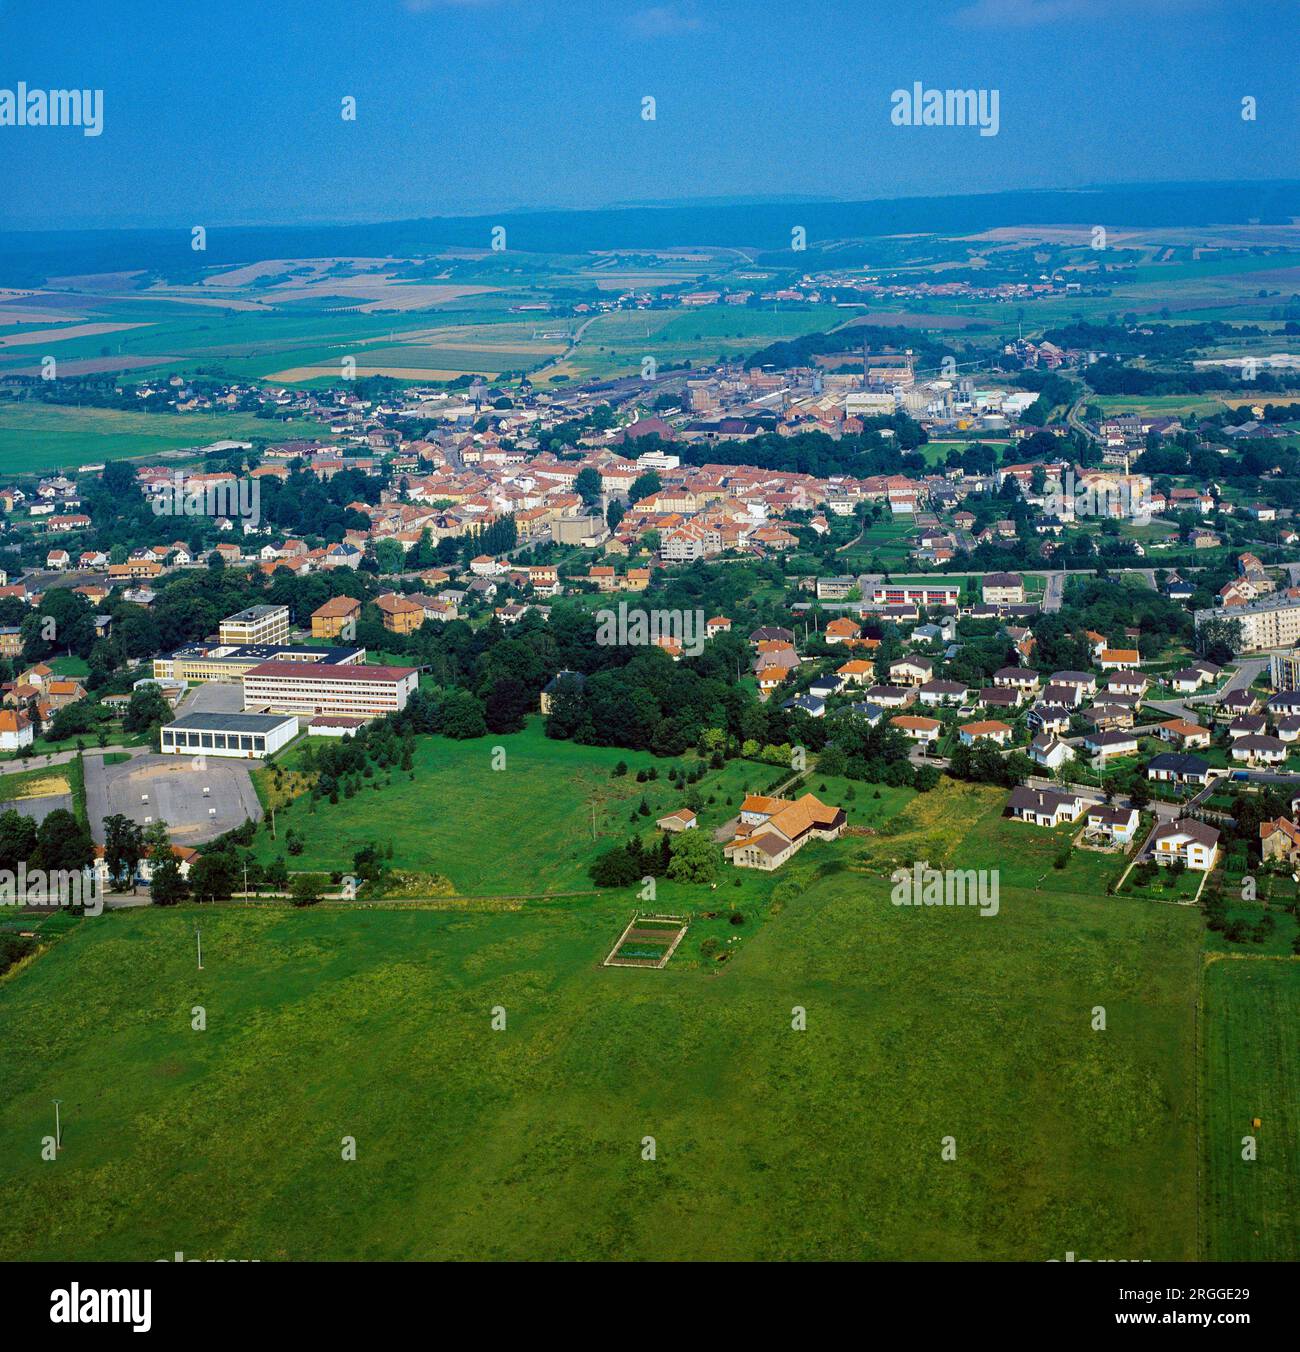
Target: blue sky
228	111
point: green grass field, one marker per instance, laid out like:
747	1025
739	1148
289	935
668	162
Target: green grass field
374	1023
1250	1064
38	438
521	830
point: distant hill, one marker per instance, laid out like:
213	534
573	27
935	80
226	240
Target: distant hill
28	257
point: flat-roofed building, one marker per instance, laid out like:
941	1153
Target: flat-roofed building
1271	622
835	588
247	736
352	691
1284	671
226	663
916	594
257	624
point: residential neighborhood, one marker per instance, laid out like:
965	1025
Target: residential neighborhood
630	634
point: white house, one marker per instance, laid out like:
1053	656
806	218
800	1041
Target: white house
942	692
1049	752
144	869
1258	749
1192	842
1117	824
911	670
15	730
1119	659
1104	745
1044	807
889	696
918	728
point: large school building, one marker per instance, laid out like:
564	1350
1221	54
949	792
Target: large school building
226	663
321	688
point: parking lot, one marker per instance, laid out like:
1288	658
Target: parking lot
198	801
213	698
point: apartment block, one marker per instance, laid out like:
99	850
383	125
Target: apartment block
1270	622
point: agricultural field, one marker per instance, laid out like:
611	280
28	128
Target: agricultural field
443	352
476	336
375	1023
885	540
1250	1069
1164	405
222	336
615	344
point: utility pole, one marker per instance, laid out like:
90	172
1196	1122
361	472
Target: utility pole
58	1129
198	939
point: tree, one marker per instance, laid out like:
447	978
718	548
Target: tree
167	886
645	485
462	716
213	878
62	843
304	890
587	485
17	839
508	702
390	556
424	555
73	719
124	847
146	710
1219	640
695	858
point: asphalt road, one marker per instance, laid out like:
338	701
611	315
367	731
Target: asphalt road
1054	592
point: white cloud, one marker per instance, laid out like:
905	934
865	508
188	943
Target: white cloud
423	6
1031	13
661	21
